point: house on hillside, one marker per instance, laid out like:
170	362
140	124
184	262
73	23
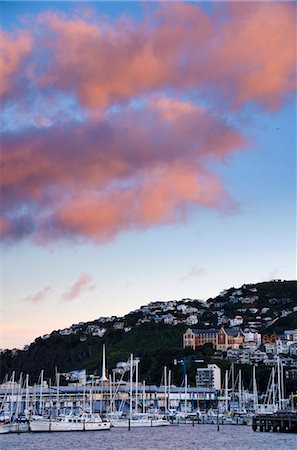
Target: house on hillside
229	338
251	335
192	320
195	338
269	339
65	332
168	319
222	339
238	320
291	335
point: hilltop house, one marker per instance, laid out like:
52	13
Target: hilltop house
291	335
229	338
195	338
269	339
251	335
238	320
221	339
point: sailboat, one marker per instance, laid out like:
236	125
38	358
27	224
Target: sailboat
12	419
135	419
84	421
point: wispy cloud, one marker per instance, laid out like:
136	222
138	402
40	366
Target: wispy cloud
39	297
194	273
82	285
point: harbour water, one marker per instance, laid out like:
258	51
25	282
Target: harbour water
185	437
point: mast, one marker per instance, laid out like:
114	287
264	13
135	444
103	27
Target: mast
273	387
239	391
131	385
58	393
186	392
255	390
282	386
226	389
91	396
84	398
103	377
136	385
279	384
19	396
110	395
115	391
143	396
40	392
27	398
12	393
233	382
169	384
165	389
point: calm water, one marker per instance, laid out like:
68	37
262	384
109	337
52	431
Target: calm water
204	437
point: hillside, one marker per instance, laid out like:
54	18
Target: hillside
154	332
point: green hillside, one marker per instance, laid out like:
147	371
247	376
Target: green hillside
144	333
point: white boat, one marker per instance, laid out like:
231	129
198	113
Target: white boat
14	427
84	422
140	420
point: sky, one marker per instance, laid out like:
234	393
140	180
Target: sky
148	152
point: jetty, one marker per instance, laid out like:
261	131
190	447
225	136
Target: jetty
281	422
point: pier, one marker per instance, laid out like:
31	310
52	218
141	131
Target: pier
277	423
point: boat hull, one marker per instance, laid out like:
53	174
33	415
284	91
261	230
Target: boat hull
14	427
139	423
55	426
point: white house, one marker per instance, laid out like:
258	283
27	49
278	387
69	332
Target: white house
282	346
250	345
118	326
270	348
237	321
168	319
293	349
46	336
251	335
191	320
291	335
65	332
99	332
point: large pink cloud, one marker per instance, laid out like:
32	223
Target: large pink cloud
242	52
135	152
127	171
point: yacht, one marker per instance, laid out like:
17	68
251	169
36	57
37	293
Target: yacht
72	422
139	420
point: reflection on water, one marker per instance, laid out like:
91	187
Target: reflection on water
202	437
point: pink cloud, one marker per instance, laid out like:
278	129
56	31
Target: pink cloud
140	158
40	296
89	182
83	284
242	52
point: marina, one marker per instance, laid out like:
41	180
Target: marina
121	401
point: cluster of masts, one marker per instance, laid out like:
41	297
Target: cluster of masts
105	402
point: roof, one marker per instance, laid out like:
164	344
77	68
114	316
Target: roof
206	331
233	331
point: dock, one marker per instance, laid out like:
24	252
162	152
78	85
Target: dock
276	423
